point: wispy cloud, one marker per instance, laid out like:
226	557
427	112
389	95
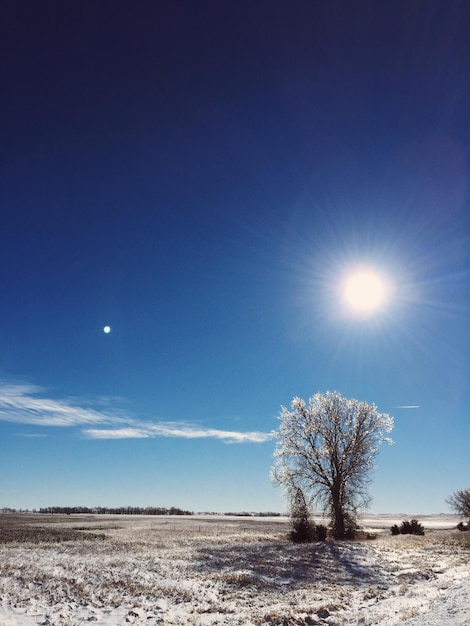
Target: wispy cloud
22	404
116	433
26	404
177	429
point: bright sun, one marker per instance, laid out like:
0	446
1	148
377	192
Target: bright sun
364	291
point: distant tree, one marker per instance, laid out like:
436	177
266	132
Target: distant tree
460	502
326	448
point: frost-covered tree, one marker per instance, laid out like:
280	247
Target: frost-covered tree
326	449
460	502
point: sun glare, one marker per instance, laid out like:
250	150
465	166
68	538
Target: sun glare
364	291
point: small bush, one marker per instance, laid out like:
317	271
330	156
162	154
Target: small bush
461	526
306	531
416	528
321	532
303	530
408	528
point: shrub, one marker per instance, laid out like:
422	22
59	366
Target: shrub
321	532
308	532
416	528
303	530
408	528
462	526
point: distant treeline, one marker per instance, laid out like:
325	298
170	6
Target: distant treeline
120	510
130	510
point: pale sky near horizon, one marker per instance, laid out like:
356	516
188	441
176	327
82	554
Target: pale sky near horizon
203	179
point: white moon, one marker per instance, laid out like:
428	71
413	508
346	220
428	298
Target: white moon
107	329
364	291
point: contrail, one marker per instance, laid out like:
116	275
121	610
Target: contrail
408	406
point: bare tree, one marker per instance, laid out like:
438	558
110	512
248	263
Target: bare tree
326	449
460	502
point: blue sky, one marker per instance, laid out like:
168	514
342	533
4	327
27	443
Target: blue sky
203	178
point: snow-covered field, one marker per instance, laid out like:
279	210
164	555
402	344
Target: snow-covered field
207	570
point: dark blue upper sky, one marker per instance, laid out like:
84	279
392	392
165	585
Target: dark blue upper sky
201	176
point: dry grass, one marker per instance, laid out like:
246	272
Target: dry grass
244	570
25	529
459	539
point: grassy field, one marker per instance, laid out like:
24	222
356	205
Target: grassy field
216	570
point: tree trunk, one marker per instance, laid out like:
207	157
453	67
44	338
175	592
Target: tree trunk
339	529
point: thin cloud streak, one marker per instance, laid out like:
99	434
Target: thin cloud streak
20	404
177	430
118	433
23	404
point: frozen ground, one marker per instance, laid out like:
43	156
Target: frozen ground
226	571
